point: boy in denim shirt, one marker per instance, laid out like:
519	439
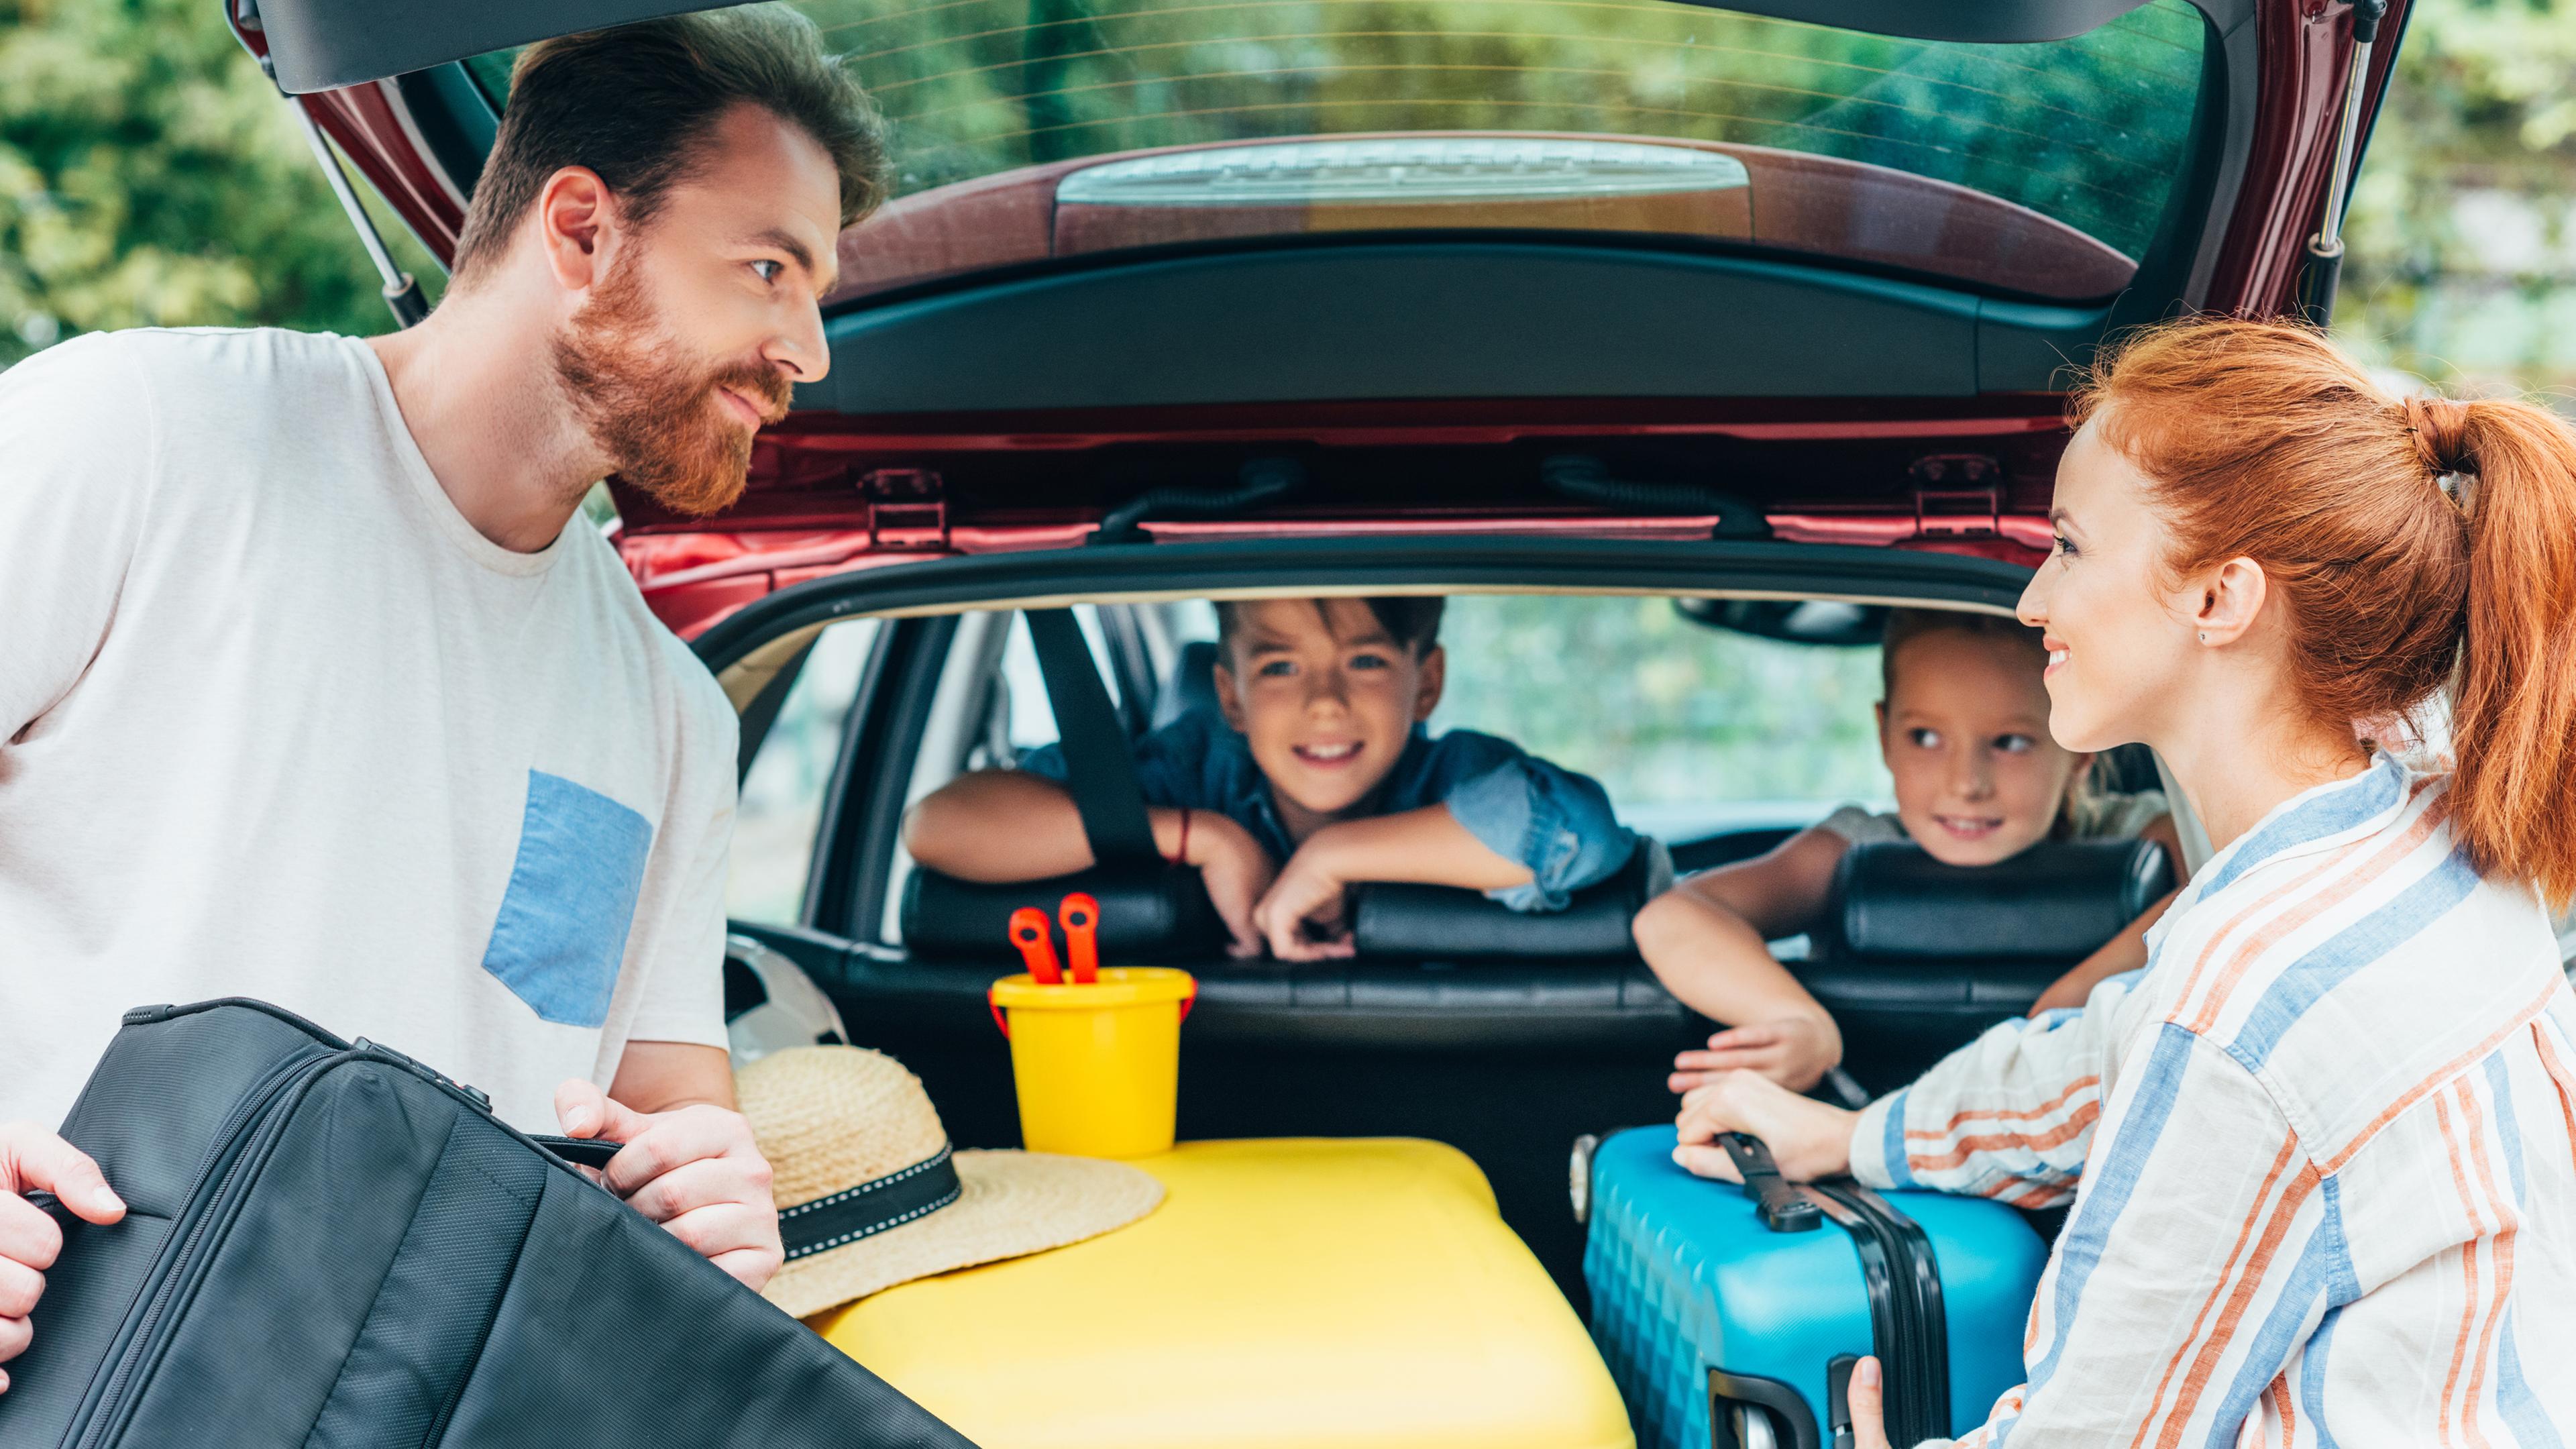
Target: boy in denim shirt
1320	775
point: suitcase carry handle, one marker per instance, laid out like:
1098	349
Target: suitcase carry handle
1784	1209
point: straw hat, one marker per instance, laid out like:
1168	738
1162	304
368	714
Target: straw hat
869	1194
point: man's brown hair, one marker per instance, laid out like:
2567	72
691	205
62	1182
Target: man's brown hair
636	104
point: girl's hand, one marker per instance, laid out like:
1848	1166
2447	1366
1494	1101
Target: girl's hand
1808	1138
1795	1051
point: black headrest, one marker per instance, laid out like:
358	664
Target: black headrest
1192	687
1162	914
1443	922
1149	913
2055	901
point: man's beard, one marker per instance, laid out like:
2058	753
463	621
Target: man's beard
650	404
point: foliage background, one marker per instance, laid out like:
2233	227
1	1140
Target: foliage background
151	176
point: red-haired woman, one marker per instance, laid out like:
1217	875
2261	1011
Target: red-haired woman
2326	1139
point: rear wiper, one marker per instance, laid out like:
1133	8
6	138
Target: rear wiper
1586	479
1263	480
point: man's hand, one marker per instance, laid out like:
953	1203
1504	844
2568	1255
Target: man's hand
1237	873
1808	1138
1301	916
1795	1051
35	1160
694	1170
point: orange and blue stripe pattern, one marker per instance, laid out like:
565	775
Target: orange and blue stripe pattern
2322	1153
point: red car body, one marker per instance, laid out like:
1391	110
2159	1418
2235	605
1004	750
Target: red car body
834	491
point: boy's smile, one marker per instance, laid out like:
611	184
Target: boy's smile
1326	698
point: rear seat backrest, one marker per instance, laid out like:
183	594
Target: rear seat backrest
1916	957
1192	687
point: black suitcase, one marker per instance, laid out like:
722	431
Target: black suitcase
329	1245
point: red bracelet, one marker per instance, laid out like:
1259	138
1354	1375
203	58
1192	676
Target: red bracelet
1181	852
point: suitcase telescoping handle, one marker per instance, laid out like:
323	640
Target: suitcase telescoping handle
1784	1209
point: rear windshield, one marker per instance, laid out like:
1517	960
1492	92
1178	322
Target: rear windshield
2040	168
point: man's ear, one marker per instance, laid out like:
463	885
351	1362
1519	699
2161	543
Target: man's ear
576	219
1229	700
2227	600
1431	677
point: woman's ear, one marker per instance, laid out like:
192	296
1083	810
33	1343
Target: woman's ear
2226	601
1430	677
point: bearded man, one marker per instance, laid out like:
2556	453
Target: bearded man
316	688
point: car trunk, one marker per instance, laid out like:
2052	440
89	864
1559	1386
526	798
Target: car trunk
1833	378
1861	342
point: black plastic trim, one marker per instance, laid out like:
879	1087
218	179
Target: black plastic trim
984	581
863	803
1787	1406
762	712
455	120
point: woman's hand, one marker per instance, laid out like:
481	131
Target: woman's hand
1795	1051
1868	1414
1808	1138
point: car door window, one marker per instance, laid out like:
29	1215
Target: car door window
782	796
1695	731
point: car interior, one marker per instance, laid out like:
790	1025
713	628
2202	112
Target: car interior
1719	725
1673	344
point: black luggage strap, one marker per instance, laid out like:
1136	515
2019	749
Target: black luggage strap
1099	772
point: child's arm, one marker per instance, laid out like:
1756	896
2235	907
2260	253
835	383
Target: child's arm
1704	939
1427	846
2126	951
1005	825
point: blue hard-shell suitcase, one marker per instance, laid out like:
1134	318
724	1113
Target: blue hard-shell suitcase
1723	1331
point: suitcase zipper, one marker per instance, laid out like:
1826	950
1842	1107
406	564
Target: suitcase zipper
1908	1329
210	1197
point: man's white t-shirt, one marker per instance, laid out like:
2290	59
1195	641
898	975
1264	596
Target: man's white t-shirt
276	721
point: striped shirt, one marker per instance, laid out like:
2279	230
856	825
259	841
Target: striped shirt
2322	1152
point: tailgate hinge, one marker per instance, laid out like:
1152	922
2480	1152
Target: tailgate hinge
1958	495
907	508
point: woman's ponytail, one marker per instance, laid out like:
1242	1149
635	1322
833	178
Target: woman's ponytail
2416	545
2514	715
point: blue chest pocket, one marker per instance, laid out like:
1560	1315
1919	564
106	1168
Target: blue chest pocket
562	930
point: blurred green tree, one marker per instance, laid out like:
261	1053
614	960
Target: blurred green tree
150	175
2463	225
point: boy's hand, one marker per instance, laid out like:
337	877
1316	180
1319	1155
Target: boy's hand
1808	1138
1795	1051
1237	873
1301	916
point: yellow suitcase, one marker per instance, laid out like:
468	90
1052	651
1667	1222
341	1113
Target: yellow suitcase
1288	1294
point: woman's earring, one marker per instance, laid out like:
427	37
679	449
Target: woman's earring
2204	636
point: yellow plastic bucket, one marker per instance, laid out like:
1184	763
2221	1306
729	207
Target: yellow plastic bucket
1097	1065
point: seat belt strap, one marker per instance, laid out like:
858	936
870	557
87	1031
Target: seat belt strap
1099	771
